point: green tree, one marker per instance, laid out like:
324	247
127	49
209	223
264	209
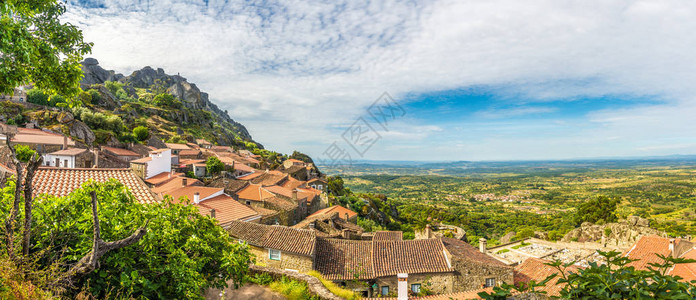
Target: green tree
214	166
37	48
600	208
166	100
169	262
336	187
24	153
141	133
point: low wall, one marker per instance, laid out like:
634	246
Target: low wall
315	286
576	245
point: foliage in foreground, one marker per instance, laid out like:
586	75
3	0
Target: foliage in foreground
333	288
292	289
613	280
181	255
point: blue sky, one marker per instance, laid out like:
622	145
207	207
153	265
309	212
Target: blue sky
478	80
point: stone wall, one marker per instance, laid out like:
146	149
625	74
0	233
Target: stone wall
471	276
438	283
287	260
139	169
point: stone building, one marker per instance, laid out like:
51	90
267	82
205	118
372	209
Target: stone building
70	158
278	247
371	267
41	141
120	153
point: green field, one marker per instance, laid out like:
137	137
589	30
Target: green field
491	199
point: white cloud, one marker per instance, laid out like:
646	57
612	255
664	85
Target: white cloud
293	71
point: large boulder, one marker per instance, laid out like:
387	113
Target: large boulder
623	233
95	74
81	132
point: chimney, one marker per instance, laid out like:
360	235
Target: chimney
212	213
169	175
96	158
347	218
65	142
183	182
311	225
196	197
428	231
482	245
294	195
402	288
672	250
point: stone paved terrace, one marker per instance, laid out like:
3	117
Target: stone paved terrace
581	253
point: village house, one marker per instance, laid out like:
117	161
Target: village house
190	154
120	153
371	267
277	247
41	141
319	184
293	162
344	213
331	225
204	143
158	161
176	148
257	196
70	158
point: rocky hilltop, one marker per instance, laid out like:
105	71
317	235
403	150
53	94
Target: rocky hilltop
155	81
623	233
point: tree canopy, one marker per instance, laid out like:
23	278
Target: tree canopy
36	47
600	209
214	166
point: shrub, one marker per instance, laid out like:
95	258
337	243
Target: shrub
141	133
292	289
24	153
96	97
37	96
166	100
333	288
213	165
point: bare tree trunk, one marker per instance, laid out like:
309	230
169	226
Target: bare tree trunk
12	219
33	164
88	263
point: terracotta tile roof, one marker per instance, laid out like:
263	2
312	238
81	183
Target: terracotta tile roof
646	250
415	256
60	182
537	270
250	176
231	186
336	209
293	183
280	203
186	162
265	212
38	136
174	184
226	209
202	142
388	236
254	192
463	250
163	178
141	160
69	152
316	179
221	149
686	271
468	295
343	259
287	193
243	168
119	151
190	152
281	238
174	146
297	161
189	191
268	179
294	169
155	151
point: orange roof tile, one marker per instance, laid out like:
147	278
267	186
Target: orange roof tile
388	236
60	182
141	160
282	238
189	191
645	250
686	271
293	183
175	146
69	152
190	152
226	209
162	178
174	184
202	142
254	192
340	259
250	176
537	270
342	211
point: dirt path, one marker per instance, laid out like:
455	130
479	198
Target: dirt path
247	292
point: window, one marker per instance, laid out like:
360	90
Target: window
415	288
274	254
490	282
320	187
385	290
248	202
